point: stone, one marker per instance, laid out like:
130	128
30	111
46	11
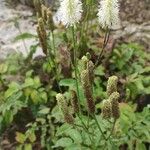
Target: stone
23	15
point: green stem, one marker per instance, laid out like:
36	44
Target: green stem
75	66
94	116
89	4
82	121
55	63
112	129
85	128
88	119
84	23
53	41
23	41
1	80
106	38
50	55
76	78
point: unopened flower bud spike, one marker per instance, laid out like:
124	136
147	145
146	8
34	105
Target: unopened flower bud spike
42	35
64	108
114	97
112	85
74	101
88	91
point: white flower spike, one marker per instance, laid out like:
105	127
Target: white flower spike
70	12
108	13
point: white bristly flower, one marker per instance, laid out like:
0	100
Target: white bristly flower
70	12
108	13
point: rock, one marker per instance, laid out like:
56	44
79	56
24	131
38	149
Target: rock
131	32
135	22
135	11
23	15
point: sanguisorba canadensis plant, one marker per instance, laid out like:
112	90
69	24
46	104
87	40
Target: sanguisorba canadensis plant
110	110
70	14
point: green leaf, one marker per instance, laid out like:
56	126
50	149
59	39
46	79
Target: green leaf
67	82
20	147
99	71
75	135
29	73
44	111
147	132
21	138
140	146
147	90
139	85
35	97
43	96
8	117
127	116
24	36
13	88
33	49
146	69
3	68
28	82
27	147
41	120
63	129
76	147
37	82
28	91
32	137
86	138
57	114
63	142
